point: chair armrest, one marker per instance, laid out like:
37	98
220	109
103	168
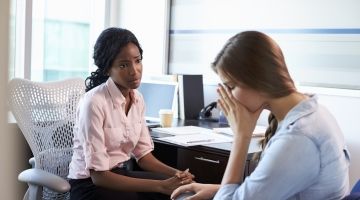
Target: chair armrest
32	162
45	179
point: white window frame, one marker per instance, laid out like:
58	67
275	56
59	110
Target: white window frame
24	32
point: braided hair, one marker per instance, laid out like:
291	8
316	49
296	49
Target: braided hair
107	47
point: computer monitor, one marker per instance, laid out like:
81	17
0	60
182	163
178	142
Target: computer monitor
158	95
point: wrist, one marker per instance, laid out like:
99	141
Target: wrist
213	189
242	138
175	171
160	186
170	172
242	132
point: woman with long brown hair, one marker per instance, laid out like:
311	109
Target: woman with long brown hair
304	154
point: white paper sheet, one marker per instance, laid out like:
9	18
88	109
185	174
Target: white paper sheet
258	132
183	130
197	139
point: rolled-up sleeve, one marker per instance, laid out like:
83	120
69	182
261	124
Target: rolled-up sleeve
289	164
91	121
145	144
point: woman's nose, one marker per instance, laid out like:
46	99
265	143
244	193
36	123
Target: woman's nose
134	69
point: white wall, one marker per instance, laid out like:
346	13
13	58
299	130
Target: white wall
8	149
321	43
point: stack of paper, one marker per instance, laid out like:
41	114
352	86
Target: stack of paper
182	130
194	135
258	132
191	136
197	139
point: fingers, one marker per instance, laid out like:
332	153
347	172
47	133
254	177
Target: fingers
196	196
226	100
258	111
184	175
181	174
190	176
186	181
181	189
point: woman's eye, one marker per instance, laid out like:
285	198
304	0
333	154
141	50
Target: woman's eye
122	66
230	87
138	60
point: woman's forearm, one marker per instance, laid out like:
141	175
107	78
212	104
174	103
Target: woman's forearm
150	163
110	180
235	168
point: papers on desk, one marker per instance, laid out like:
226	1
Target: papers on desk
191	136
197	139
182	130
258	132
194	135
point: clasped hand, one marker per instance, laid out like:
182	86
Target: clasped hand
180	178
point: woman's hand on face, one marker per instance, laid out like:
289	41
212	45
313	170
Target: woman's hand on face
185	176
241	120
201	191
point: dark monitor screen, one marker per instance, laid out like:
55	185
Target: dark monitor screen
158	95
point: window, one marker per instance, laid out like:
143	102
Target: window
321	43
54	39
59	38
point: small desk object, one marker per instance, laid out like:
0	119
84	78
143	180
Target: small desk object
206	162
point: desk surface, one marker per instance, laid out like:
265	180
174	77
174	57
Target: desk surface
206	162
220	148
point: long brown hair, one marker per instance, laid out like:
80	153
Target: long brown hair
254	59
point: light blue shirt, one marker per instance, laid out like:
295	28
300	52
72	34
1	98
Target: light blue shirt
305	159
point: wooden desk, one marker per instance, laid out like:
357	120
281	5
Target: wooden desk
206	162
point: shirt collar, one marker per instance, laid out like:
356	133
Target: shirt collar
116	96
302	109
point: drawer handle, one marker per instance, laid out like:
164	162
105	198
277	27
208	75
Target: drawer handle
207	160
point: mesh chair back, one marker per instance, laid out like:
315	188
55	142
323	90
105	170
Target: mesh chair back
45	113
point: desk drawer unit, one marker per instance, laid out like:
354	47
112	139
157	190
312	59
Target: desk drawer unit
166	153
207	168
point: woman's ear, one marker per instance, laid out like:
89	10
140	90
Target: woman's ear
107	72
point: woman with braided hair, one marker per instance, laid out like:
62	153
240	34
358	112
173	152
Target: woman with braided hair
110	129
304	154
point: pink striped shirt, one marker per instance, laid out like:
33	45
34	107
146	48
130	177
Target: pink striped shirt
104	136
